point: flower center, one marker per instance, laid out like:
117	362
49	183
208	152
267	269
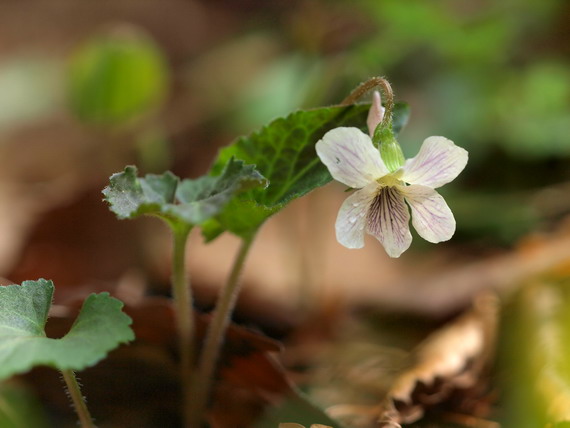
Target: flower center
391	180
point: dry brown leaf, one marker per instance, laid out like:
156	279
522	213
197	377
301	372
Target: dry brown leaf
450	359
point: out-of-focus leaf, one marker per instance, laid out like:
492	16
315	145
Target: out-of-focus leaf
534	110
541	348
282	86
116	76
20	409
188	202
284	152
100	327
501	218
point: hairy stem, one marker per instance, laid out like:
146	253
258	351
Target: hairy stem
184	315
77	398
371	83
227	299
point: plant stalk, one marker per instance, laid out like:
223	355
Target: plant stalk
184	315
225	305
371	83
78	399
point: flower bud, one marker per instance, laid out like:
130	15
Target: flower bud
375	114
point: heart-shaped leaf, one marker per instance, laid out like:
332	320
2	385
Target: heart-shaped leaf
100	327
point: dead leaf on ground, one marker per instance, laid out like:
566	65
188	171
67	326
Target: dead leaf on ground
451	359
446	374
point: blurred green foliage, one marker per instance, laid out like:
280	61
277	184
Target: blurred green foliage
485	74
116	76
491	76
19	408
534	363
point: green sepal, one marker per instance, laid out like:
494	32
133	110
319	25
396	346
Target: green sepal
390	150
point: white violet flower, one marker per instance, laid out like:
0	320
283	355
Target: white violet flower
379	206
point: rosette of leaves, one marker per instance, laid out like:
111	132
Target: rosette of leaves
99	328
284	152
181	203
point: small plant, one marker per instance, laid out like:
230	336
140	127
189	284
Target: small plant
249	181
252	179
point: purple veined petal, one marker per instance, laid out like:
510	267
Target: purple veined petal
375	114
431	216
388	220
438	162
351	219
350	157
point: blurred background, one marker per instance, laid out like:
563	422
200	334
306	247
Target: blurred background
86	88
89	87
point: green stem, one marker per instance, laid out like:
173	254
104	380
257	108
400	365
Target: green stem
77	399
184	315
214	338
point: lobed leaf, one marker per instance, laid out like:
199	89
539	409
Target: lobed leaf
284	152
100	327
189	202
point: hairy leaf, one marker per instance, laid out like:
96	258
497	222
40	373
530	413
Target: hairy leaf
100	327
190	202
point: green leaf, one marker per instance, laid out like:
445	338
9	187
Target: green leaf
188	202
130	196
100	327
116	76
284	152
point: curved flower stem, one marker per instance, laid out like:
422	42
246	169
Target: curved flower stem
77	398
184	316
371	83
210	353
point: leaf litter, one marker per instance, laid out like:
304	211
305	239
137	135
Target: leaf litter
251	380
